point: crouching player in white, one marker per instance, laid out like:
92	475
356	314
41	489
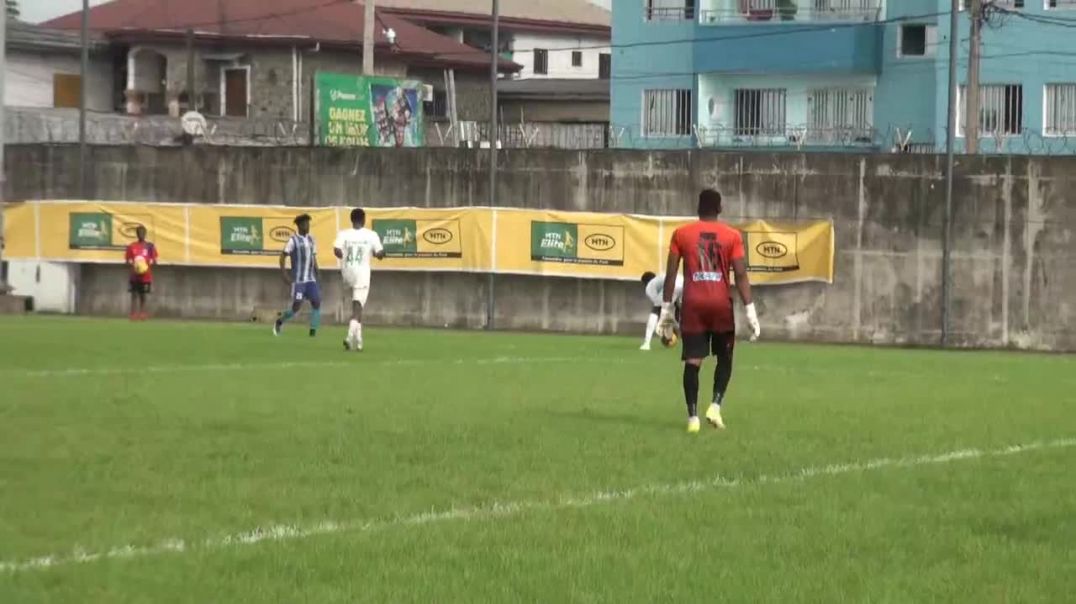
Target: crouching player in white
355	247
653	284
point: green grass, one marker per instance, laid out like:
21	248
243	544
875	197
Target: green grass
115	434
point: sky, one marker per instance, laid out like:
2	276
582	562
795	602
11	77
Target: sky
36	11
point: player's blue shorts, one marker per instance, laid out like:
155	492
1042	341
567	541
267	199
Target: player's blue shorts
308	291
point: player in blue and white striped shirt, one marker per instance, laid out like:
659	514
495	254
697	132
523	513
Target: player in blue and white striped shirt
303	275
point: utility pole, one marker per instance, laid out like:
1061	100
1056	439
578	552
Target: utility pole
368	38
971	119
947	218
495	59
192	104
3	172
84	74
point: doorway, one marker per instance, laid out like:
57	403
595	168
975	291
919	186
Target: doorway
235	85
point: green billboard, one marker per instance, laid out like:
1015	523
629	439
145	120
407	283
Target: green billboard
90	231
358	111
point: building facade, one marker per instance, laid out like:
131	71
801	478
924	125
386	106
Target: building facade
556	39
43	70
838	74
227	60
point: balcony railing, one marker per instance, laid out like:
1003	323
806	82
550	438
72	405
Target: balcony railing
670	13
769	11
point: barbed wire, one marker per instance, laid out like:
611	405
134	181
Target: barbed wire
59	126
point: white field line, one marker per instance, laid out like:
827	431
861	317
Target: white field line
289	532
358	364
502	360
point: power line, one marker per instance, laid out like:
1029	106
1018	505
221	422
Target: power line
1058	20
783	31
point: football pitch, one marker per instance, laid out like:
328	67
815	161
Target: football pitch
201	462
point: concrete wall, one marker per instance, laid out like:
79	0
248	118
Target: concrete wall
1014	267
53	285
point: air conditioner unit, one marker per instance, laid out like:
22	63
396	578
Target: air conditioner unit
427	93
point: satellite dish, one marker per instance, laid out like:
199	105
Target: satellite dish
193	123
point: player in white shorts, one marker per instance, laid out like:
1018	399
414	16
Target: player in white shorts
654	286
354	247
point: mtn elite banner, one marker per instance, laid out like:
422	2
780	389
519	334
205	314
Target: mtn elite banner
500	240
424	239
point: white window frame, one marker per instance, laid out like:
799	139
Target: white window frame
842	105
1047	131
667	126
1059	4
930	41
770	99
962	109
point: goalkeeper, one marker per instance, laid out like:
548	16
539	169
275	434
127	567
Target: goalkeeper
711	251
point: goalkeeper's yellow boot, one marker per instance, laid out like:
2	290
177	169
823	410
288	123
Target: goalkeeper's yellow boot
713	417
693	425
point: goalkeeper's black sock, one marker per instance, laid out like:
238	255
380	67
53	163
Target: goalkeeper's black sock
691	389
722	374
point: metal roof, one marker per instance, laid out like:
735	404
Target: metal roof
567	12
554	89
25	36
335	22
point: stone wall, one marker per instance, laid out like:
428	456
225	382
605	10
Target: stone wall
272	74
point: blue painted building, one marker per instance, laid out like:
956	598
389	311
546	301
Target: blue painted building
837	74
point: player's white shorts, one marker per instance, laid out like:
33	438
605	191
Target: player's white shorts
359	286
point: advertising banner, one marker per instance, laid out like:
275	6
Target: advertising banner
358	111
500	240
781	252
574	244
254	235
433	239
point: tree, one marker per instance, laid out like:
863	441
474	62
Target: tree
12	9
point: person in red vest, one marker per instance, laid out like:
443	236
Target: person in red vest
141	256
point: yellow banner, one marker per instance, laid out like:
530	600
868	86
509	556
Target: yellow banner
100	231
499	240
781	252
254	235
574	244
423	239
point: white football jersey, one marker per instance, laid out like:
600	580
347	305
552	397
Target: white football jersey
654	289
357	246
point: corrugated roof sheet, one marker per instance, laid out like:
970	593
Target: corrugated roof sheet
555	89
326	21
574	12
34	37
